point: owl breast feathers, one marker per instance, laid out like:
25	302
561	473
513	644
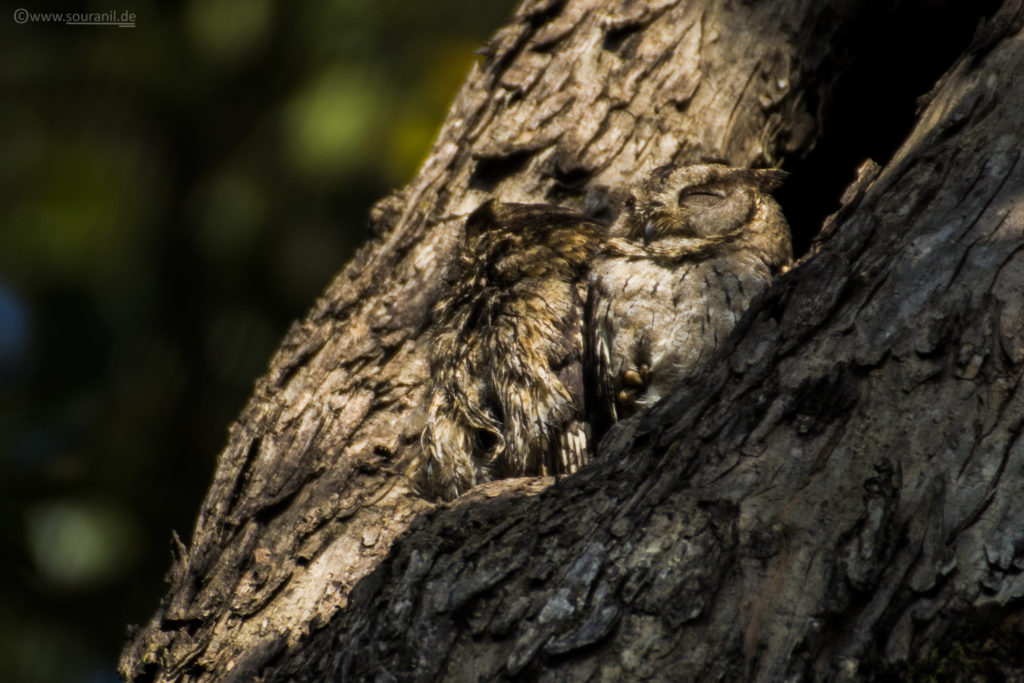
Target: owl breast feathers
553	325
700	242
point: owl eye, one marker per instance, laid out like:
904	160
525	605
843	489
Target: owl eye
700	196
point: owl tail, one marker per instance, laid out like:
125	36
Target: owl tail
574	447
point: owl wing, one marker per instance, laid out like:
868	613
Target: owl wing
537	259
508	394
539	378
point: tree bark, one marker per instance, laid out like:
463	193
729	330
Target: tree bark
833	498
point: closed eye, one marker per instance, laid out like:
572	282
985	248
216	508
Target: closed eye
700	196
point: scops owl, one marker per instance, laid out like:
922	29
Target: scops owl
506	360
699	242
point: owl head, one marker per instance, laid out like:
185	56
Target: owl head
700	201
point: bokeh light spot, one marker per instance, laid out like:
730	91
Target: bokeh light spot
327	124
228	30
14	335
78	544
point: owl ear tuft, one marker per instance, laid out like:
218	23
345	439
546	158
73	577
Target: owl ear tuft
766	179
481	220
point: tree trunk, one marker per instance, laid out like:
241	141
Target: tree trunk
836	496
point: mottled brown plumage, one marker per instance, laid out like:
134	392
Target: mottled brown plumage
547	314
506	364
699	243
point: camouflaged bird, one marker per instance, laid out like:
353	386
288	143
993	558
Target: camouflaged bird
506	394
700	242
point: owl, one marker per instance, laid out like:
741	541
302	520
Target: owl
506	394
695	244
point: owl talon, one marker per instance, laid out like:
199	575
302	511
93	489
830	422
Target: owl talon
630	398
634	384
633	378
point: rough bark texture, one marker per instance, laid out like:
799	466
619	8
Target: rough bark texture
832	499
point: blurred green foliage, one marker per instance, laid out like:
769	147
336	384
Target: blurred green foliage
171	197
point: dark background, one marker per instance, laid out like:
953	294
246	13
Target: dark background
171	197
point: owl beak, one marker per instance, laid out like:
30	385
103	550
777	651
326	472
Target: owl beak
648	232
